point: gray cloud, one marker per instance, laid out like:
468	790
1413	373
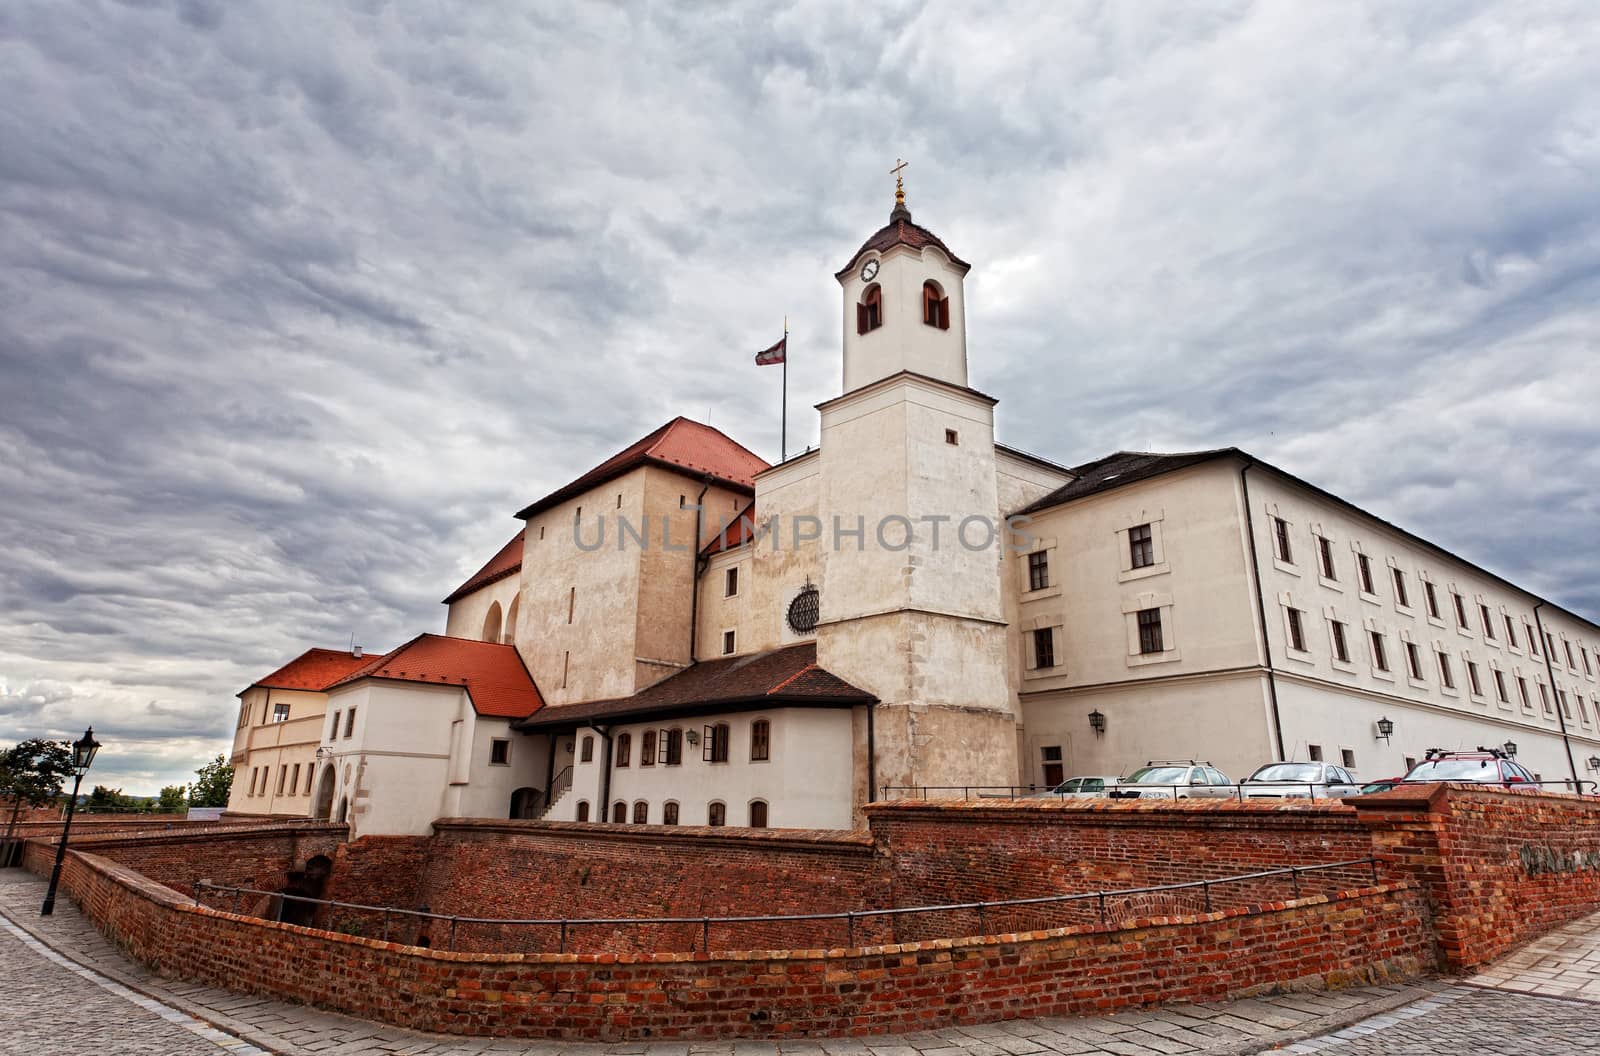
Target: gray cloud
298	302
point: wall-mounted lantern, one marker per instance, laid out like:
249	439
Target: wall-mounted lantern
693	737
1385	728
1510	749
1593	762
1097	722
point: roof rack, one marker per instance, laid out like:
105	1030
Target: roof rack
1175	762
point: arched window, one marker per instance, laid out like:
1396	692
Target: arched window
624	749
619	812
935	306
758	813
669	812
583	810
674	747
760	741
491	624
641	813
647	748
869	313
717	814
509	635
715	748
587	755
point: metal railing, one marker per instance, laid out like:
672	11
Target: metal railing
1237	790
1101	905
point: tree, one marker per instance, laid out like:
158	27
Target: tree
31	773
216	781
172	800
103	800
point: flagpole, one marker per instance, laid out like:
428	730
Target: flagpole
783	414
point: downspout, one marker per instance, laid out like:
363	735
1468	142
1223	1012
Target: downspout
605	771
550	768
1561	717
699	567
872	756
1261	611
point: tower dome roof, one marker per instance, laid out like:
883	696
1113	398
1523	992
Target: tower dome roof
901	230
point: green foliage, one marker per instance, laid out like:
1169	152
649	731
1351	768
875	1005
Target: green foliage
215	781
34	771
105	800
172	800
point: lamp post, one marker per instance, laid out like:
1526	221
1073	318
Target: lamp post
82	756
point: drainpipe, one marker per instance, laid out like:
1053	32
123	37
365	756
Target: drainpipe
550	767
1261	611
605	770
699	566
872	756
1549	669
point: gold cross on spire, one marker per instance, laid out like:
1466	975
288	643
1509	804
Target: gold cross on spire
899	182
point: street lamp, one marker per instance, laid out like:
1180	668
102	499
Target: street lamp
1097	722
1593	762
82	756
1510	749
1385	728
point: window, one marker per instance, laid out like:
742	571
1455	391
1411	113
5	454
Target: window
1038	570
619	812
758	814
728	640
760	741
1401	598
641	813
283	778
1583	652
717	814
715	747
730	582
672	747
624	750
647	748
1380	660
935	306
1341	647
586	753
1568	646
1500	686
1472	679
1314	752
333	731
869	313
280	713
253	772
349	722
1544	699
1050	759
1150	631
1511	632
669	812
1348	757
1430	596
1044	648
1414	661
244	714
583	810
1297	632
294	784
1488	624
1461	610
1446	678
310	770
1364	567
1566	705
1533	639
952	437
499	752
572	602
1522	691
1582	711
1325	558
1550	641
1280	533
1411	763
1141	547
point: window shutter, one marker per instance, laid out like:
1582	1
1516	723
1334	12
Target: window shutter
708	745
944	313
661	747
861	318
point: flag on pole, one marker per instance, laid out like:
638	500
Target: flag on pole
775	354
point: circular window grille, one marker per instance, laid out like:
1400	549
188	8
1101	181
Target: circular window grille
803	610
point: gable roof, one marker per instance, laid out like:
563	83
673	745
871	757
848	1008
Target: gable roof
494	676
682	445
314	670
1124	467
501	565
786	677
901	230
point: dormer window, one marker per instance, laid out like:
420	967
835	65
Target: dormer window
935	306
869	313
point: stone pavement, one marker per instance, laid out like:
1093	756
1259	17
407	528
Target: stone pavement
57	968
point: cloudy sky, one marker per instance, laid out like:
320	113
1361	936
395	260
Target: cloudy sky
299	301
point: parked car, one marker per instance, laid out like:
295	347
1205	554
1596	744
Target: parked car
1173	779
1488	765
1300	781
1079	787
1383	784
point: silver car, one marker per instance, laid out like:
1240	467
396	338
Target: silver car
1173	779
1089	787
1300	781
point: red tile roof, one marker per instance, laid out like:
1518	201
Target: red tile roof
496	679
501	565
901	231
735	535
787	677
314	670
682	445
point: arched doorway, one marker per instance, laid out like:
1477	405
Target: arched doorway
525	803
510	633
322	807
491	624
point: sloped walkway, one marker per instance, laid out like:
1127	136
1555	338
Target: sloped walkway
54	968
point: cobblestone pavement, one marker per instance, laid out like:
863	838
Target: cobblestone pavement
1564	963
137	1013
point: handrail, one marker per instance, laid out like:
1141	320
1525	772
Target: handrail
848	916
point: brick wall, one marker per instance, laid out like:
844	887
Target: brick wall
1366	936
1499	867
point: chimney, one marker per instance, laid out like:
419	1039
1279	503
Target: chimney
355	651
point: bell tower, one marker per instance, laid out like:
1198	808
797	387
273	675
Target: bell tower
912	549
